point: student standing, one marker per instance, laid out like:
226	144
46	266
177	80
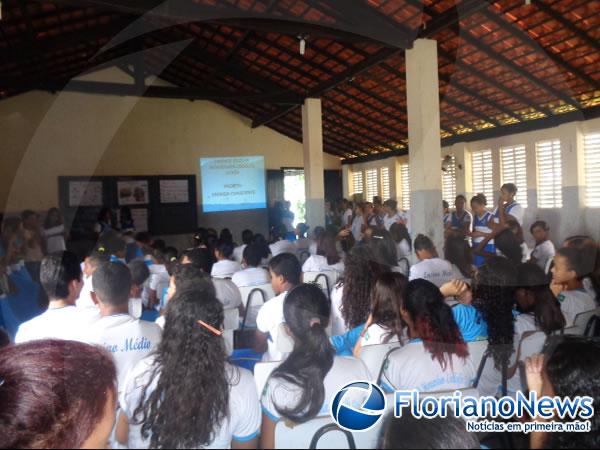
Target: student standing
54	231
128	340
60	276
508	206
481	229
461	219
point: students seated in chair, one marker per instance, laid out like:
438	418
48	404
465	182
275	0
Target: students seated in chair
430	266
186	394
252	274
238	252
60	275
589	247
544	248
569	367
302	387
570	268
327	257
285	275
225	266
408	432
436	358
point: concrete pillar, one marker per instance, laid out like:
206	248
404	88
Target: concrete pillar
422	88
346	180
573	179
463	169
312	140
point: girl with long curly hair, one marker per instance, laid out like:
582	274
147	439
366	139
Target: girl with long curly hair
351	297
186	395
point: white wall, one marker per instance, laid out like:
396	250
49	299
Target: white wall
573	218
43	136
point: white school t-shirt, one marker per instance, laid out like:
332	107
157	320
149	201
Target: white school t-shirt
543	253
312	248
225	268
238	253
318	263
357	224
285	395
55	239
252	276
242	424
411	367
283	246
575	302
227	293
437	270
398	217
376	335
269	317
159	279
136	307
403	249
127	339
347	218
338	324
69	323
85	296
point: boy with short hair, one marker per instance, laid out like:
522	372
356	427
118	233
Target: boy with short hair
570	268
90	264
129	340
286	273
139	275
60	275
252	275
544	248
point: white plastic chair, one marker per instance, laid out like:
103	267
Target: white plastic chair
326	279
262	372
476	351
374	356
583	319
228	337
232	319
253	297
532	344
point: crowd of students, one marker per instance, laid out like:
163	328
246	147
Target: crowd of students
99	366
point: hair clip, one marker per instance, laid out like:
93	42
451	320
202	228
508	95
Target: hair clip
210	328
377	237
173	258
101	250
314	321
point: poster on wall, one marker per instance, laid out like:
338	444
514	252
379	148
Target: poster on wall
174	191
140	219
133	192
85	193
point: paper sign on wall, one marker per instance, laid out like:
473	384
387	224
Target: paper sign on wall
174	191
85	193
133	192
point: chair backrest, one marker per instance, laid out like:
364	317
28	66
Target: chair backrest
532	344
374	356
326	279
582	319
303	256
228	337
476	351
232	319
262	372
404	264
253	297
320	432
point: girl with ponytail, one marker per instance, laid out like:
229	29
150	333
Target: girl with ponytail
186	395
303	385
436	357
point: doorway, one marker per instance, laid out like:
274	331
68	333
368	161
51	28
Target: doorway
294	192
